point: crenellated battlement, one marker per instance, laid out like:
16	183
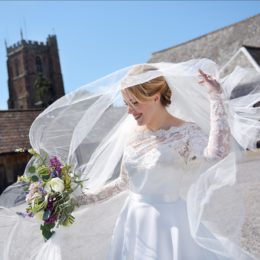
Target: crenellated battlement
23	43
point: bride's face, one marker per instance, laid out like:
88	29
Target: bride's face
142	111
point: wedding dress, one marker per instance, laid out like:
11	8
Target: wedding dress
175	197
153	223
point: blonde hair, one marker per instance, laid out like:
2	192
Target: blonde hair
144	91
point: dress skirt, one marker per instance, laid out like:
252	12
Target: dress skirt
152	229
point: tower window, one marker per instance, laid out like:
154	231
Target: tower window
38	63
16	67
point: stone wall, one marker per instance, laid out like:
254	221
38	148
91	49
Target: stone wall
219	45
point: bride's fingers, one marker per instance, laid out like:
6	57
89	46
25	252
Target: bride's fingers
204	75
201	77
201	71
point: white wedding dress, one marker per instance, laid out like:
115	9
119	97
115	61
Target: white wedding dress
153	223
143	214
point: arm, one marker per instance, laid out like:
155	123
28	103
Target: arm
217	145
219	137
107	191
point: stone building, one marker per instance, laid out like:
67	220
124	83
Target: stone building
241	39
235	45
34	74
14	129
34	82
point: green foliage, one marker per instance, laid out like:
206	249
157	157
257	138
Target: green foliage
32	169
47	231
34	178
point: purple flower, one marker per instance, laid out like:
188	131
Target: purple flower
50	205
51	202
54	174
36	190
42	191
24	215
56	165
30	214
51	219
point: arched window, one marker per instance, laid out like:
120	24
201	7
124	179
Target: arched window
38	63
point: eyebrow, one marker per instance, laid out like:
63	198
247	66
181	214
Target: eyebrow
131	100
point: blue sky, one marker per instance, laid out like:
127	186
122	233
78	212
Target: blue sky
99	37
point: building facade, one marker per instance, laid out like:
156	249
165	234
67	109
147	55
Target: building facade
34	82
34	74
220	45
14	131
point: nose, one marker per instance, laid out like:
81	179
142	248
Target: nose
130	110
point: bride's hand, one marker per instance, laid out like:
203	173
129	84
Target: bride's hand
211	83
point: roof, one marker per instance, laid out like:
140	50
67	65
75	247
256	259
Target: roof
219	45
14	128
213	32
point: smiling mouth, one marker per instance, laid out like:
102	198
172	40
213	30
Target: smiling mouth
137	116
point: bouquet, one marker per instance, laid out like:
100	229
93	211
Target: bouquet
50	184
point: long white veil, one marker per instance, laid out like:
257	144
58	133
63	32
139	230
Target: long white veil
88	128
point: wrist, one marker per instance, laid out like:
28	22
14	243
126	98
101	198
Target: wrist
215	95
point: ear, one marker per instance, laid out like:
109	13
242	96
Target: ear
157	98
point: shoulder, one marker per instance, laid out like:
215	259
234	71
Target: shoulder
193	128
196	136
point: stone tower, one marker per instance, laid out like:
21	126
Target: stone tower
34	74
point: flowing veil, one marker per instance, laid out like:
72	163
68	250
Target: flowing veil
88	129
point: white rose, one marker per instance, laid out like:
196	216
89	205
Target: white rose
57	184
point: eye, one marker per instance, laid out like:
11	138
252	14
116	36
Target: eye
125	103
132	103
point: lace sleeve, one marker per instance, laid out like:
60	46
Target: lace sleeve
217	145
219	137
106	192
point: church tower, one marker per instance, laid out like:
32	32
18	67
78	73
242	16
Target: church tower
34	74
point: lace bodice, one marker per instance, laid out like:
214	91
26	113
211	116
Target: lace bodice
155	162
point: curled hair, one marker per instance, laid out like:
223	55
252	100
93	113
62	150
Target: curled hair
146	90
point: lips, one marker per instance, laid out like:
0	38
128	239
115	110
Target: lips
137	116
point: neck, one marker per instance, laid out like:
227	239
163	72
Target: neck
162	120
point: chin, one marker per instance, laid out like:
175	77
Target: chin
140	123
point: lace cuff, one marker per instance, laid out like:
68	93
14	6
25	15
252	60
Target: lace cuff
116	186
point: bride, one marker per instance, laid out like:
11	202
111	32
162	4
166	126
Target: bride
162	178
